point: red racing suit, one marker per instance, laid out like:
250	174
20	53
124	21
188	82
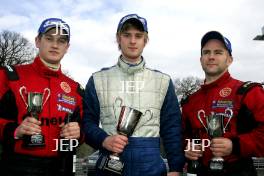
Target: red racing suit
246	127
65	97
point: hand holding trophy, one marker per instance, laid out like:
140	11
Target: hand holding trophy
215	128
127	122
34	105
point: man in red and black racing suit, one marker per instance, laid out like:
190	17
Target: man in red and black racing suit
241	103
62	99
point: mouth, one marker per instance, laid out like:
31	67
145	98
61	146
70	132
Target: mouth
54	52
211	65
132	48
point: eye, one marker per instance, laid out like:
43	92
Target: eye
205	52
62	40
125	35
218	52
139	36
48	38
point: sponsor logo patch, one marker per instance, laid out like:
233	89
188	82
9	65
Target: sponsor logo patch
225	92
222	104
62	108
66	99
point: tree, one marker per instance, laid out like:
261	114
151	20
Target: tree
186	86
15	49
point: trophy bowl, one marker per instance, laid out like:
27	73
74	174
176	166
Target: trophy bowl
128	120
215	125
35	102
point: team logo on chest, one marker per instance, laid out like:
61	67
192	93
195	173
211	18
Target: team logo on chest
225	92
65	87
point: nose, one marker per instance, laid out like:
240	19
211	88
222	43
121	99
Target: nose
211	56
54	43
133	39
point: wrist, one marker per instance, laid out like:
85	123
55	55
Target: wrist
104	144
15	134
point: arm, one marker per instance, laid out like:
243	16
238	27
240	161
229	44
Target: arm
188	146
9	127
8	111
251	143
72	121
94	135
170	130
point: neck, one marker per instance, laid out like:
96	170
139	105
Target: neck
131	61
51	66
210	78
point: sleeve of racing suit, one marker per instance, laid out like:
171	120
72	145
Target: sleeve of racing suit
186	126
170	130
94	135
8	112
251	143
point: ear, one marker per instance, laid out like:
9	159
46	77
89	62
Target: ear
67	47
37	41
231	57
118	39
230	60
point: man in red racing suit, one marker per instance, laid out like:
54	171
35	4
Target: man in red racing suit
62	98
241	106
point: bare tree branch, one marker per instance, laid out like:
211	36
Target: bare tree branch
15	49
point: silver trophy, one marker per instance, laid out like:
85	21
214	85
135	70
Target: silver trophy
215	128
127	122
34	105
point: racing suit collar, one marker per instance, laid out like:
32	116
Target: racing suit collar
220	81
130	68
42	69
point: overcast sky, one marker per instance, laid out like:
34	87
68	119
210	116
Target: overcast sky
175	31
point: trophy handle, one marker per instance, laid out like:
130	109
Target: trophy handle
228	113
46	90
114	108
201	112
151	116
23	90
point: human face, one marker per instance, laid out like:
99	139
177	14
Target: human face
215	60
52	46
132	43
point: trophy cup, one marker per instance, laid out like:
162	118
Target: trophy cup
215	128
127	122
34	106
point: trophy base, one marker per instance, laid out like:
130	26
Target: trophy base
36	140
112	164
216	164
